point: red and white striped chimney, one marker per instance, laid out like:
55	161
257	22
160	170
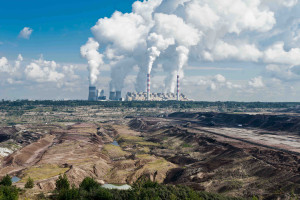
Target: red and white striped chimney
177	87
148	87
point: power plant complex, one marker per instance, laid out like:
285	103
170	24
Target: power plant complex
96	95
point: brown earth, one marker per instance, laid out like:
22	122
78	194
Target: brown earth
181	149
216	163
83	150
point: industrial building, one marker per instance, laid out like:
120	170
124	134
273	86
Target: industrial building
95	95
144	96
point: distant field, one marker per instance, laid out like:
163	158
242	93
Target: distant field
150	104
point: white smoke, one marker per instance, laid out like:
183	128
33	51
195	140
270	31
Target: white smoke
169	33
183	53
94	58
158	44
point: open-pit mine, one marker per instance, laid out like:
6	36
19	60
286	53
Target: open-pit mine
246	154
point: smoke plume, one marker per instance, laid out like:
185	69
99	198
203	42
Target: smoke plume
94	58
169	33
158	44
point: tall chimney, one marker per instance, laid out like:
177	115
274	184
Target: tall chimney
148	87
92	93
178	88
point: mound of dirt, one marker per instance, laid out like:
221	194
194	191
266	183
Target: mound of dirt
6	133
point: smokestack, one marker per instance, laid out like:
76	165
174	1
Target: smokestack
178	88
118	95
112	96
92	93
148	87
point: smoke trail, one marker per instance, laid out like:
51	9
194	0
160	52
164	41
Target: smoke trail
94	58
164	29
183	55
158	44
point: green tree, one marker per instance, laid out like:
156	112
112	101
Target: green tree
8	192
6	180
69	194
29	183
88	184
62	183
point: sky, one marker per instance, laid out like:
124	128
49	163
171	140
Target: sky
235	50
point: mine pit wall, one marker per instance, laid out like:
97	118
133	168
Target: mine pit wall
234	167
286	123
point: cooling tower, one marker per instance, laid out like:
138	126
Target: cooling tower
92	93
102	93
178	88
148	87
112	96
118	95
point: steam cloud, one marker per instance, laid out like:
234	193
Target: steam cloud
90	52
171	32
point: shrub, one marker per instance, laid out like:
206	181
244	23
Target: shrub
69	194
100	193
8	193
62	183
6	180
29	183
88	184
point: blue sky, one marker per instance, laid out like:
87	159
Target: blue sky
235	50
60	27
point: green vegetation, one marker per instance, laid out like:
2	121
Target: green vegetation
53	105
29	183
113	151
142	189
62	183
7	191
6	180
43	172
186	145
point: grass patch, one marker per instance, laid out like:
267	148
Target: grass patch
113	151
43	172
129	139
144	143
125	140
186	145
144	149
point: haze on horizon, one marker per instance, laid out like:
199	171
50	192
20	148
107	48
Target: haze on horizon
237	50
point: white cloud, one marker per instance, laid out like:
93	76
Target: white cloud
43	71
283	72
278	3
277	54
26	32
256	82
125	31
220	78
240	51
172	26
4	66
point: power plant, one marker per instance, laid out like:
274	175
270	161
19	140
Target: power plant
92	93
95	95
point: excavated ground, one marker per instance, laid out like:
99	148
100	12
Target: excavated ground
86	149
209	160
239	155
